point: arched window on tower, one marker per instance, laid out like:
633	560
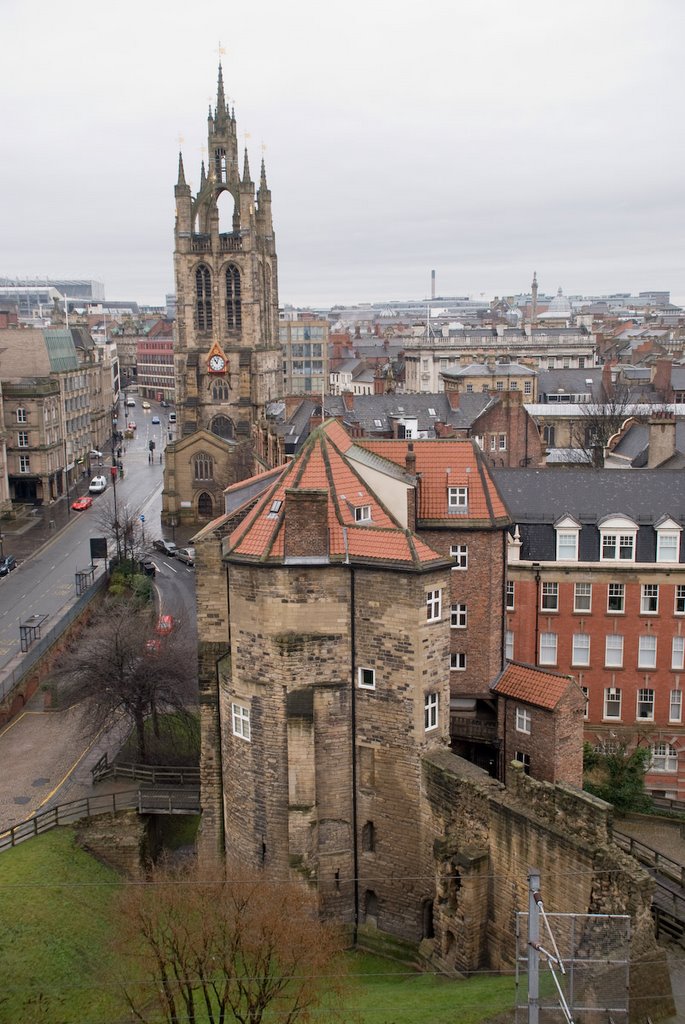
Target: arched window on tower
234	313
203	298
220	391
204	466
220	164
205	506
222	427
267	302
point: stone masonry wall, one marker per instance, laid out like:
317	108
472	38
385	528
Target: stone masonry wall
488	837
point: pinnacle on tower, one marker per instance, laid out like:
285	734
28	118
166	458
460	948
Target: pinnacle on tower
181	174
203	175
262	178
246	170
220	98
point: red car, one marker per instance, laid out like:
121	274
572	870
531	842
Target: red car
81	504
165	625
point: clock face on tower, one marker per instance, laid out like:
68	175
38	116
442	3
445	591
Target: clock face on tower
217	363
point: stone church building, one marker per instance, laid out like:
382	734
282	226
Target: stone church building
227	353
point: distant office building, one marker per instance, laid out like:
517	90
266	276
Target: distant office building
155	362
305	356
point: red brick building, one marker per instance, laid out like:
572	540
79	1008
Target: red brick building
596	589
540	723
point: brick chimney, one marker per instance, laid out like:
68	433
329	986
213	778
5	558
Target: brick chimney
410	466
608	379
452	395
662	378
661	439
348	400
306	524
379	382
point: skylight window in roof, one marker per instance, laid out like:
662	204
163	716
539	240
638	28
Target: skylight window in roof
432	412
378	423
275	509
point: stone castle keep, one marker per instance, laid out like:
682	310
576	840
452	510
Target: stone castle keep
333	596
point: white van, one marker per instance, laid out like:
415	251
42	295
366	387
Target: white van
130	404
97	485
172	417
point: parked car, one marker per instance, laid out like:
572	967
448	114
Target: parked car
167	547
186	555
165	625
164	404
95	454
81	504
130	404
8	563
146	405
155	419
147	566
172	417
97	485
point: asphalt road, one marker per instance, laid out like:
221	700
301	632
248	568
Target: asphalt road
47	755
45	582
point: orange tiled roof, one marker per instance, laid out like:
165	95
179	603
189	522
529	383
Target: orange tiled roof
444	463
322	466
532	685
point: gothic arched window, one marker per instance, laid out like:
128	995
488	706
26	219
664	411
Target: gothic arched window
204	466
220	391
205	506
220	164
234	313
222	427
267	302
203	298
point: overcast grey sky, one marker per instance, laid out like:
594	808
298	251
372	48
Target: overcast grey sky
483	138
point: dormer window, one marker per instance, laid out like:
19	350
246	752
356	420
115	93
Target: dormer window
667	540
618	538
567	530
458	499
362	514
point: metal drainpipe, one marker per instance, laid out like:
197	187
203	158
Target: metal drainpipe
353	723
355	854
537	613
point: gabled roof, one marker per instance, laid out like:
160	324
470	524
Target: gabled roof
534	685
323	467
443	463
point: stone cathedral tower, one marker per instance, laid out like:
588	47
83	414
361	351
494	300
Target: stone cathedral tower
227	352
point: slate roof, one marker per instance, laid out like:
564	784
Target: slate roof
533	685
636	440
538	495
385	408
572	382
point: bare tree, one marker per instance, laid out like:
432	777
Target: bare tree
118	665
599	421
121	526
244	948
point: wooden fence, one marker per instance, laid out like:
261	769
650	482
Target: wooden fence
144	801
